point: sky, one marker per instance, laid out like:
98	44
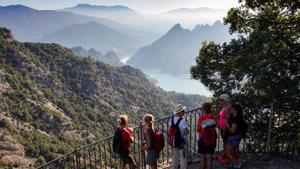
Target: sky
145	6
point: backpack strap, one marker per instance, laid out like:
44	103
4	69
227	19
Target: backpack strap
172	121
178	121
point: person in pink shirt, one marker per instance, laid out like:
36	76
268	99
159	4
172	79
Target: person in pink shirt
224	115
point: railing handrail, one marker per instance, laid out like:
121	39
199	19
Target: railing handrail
107	138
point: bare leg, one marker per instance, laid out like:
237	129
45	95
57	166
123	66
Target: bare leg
236	153
123	165
132	165
202	161
209	161
154	166
229	153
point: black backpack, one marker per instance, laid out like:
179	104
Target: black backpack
117	141
175	138
244	128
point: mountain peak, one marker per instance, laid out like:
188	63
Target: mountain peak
17	7
177	28
102	7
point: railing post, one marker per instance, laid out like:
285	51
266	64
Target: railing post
270	130
142	152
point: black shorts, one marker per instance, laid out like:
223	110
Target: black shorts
126	158
204	149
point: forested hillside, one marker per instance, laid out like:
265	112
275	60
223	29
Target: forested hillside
52	100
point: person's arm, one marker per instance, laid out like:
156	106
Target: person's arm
185	126
233	127
199	125
186	131
148	140
227	113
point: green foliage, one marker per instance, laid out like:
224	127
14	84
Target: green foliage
262	67
52	92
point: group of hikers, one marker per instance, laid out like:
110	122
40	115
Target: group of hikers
232	129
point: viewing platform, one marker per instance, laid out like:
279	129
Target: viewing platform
255	154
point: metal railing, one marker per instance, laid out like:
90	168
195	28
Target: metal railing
99	155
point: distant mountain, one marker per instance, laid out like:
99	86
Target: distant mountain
30	24
190	16
194	10
101	9
52	101
92	35
110	57
175	52
123	15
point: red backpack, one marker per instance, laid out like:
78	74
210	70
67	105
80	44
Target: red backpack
209	135
159	141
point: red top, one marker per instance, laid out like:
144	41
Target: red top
204	117
126	138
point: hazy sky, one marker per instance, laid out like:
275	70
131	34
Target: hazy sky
148	6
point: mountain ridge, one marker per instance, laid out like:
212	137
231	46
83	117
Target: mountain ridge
91	35
178	45
52	101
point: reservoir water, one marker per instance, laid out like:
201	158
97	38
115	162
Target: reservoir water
178	83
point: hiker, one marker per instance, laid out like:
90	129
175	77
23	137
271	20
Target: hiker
234	127
122	142
207	136
178	133
223	118
149	146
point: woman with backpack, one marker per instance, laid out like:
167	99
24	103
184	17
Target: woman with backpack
122	142
149	146
224	115
234	128
207	136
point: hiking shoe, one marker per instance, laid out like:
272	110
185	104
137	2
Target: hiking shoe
221	157
225	161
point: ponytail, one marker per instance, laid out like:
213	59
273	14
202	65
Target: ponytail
149	119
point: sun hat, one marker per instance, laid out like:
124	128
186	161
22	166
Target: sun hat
179	108
224	97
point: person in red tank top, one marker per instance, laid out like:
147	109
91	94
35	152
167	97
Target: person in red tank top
126	142
206	150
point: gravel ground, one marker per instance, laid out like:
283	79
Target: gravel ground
254	161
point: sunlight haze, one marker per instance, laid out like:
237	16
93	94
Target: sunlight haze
145	6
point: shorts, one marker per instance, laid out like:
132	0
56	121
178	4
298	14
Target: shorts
151	157
234	141
205	149
224	135
126	158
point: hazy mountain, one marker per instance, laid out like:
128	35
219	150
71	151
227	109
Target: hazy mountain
124	15
189	16
195	10
101	10
175	52
160	22
30	24
110	57
52	101
92	35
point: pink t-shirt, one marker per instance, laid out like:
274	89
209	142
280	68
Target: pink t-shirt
223	117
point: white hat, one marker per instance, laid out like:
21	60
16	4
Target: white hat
224	97
179	108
